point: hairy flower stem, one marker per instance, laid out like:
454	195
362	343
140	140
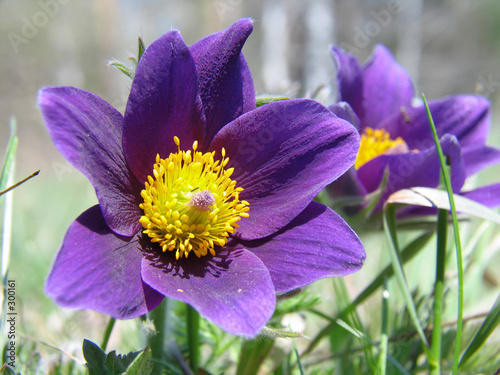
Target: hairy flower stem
193	335
107	333
155	342
384	342
458	244
442	232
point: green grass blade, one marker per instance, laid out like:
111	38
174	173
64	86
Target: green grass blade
353	322
299	364
10	155
407	254
491	322
6	179
389	221
458	245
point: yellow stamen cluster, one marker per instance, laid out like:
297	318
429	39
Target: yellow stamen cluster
375	142
191	203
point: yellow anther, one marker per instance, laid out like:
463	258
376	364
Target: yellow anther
190	202
375	142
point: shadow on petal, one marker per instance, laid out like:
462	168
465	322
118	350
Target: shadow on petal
192	266
232	289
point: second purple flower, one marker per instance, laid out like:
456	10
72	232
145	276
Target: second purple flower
396	140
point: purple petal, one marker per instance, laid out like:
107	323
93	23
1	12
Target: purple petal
487	195
233	289
224	79
163	103
349	80
386	88
413	169
284	153
95	269
478	157
87	131
317	244
345	111
465	116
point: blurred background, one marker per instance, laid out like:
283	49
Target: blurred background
447	46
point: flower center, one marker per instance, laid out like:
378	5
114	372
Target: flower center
375	142
191	203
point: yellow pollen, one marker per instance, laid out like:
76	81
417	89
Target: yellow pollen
190	202
375	142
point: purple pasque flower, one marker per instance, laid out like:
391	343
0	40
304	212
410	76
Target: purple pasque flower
396	140
203	197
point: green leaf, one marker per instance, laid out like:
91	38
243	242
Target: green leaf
489	325
142	364
94	356
98	363
262	100
141	48
6	370
122	68
274	333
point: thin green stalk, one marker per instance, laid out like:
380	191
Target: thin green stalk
384	340
17	184
107	333
442	232
458	245
193	336
155	342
